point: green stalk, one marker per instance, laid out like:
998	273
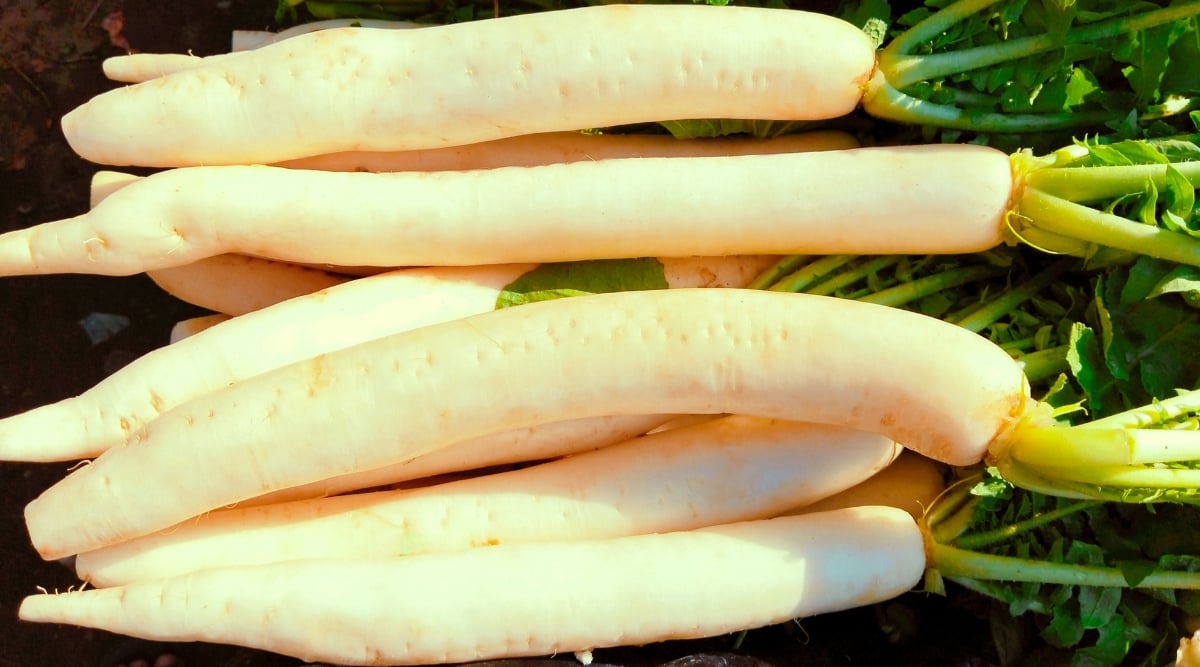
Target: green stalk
778	270
934	25
801	279
953	563
882	100
841	280
904	293
1158	413
987	314
1113	477
989	537
1089	184
1079	448
1042	364
903	70
1039	210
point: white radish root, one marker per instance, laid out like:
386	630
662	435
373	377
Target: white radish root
727	470
522	599
249	345
770	354
861	201
470	82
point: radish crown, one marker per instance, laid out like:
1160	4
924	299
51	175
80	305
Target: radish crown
1110	202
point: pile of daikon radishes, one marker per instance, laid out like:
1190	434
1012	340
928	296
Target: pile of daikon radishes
319	470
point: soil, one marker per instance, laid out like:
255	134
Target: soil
50	54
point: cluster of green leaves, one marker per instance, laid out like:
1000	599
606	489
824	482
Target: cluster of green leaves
1141	82
1093	622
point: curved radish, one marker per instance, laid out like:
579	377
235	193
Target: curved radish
470	82
802	203
731	469
351	313
194	325
770	354
239	284
563	147
521	599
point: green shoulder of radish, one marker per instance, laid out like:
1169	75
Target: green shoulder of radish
573	69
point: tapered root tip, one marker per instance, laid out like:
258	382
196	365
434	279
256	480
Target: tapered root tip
16	256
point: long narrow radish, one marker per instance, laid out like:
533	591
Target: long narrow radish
465	83
722	471
564	147
139	67
194	325
363	309
859	201
240	284
927	384
521	599
911	483
518	445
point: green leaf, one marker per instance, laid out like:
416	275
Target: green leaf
564	279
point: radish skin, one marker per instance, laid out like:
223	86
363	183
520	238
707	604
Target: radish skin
911	483
930	385
731	469
379	89
252	344
194	325
521	599
564	147
240	284
884	200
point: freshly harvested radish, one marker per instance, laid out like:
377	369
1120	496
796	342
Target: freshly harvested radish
927	384
240	284
665	207
472	82
910	483
357	311
731	469
925	199
599	66
194	325
563	147
521	599
518	445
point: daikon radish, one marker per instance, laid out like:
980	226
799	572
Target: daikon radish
930	385
910	483
922	200
521	599
240	284
722	471
115	408
378	89
194	325
564	147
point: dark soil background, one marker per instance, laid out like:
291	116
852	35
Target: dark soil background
50	53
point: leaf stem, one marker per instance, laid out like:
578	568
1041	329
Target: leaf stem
904	293
1155	414
985	315
1085	184
850	277
934	25
1039	210
778	270
807	275
953	562
989	537
904	70
884	101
